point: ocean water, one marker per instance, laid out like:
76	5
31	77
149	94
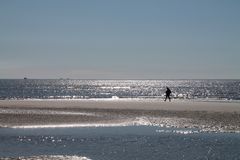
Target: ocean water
129	142
118	143
225	90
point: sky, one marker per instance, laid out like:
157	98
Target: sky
120	39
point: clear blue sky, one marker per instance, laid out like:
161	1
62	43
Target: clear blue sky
120	39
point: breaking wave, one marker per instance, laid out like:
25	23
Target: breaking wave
49	157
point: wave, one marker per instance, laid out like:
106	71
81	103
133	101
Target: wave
48	157
116	98
139	121
173	124
80	89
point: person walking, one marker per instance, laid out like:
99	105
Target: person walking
168	93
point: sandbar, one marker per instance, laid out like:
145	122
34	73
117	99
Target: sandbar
210	116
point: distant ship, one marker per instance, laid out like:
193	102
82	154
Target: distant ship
25	78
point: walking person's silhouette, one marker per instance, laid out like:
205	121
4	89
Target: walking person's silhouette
168	92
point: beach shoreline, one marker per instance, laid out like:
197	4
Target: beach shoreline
209	116
135	104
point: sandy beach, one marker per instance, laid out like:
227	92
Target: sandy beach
209	116
118	129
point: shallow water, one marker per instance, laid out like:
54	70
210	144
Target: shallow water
119	143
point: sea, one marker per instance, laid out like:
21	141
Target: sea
117	143
216	90
143	142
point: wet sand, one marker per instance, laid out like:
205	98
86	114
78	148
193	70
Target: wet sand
209	116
